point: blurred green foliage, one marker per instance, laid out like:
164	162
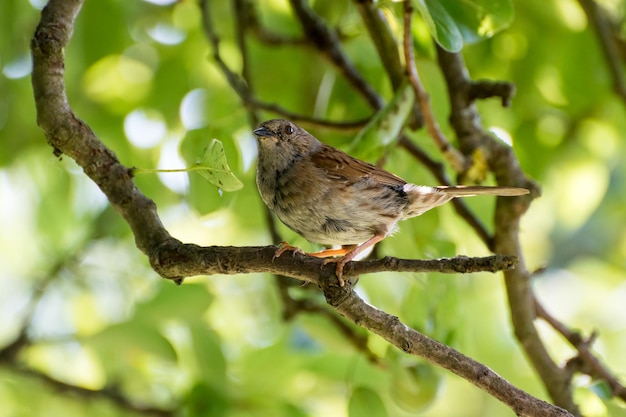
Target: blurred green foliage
141	75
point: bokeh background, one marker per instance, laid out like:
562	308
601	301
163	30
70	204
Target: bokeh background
101	334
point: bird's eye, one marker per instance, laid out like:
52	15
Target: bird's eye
289	129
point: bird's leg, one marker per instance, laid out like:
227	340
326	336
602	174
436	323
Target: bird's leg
285	247
332	252
351	253
344	254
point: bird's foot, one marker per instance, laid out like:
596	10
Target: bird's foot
286	247
341	262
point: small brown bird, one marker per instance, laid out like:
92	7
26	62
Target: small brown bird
331	198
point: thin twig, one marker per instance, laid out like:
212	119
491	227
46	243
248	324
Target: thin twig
591	364
382	37
241	85
327	42
597	17
293	307
347	126
110	394
453	156
242	13
386	45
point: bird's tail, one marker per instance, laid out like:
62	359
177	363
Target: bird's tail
422	198
472	190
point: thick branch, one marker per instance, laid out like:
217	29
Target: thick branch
502	161
70	135
174	260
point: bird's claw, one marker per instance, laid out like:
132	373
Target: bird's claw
341	262
285	247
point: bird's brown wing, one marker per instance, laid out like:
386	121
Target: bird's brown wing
342	166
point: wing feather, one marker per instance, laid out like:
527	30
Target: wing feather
342	166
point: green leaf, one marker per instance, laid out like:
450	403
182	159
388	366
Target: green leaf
414	387
186	302
602	389
441	25
365	402
381	132
204	400
125	340
210	360
614	408
455	22
203	197
214	168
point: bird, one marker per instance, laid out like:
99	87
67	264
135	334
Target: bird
333	199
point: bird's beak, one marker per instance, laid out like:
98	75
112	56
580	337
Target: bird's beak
263	132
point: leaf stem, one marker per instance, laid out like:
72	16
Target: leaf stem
187	169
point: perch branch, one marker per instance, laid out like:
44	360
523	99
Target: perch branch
174	260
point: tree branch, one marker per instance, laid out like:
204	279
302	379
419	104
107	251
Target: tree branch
174	260
465	120
389	327
382	37
241	85
109	394
590	364
601	24
327	42
454	157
